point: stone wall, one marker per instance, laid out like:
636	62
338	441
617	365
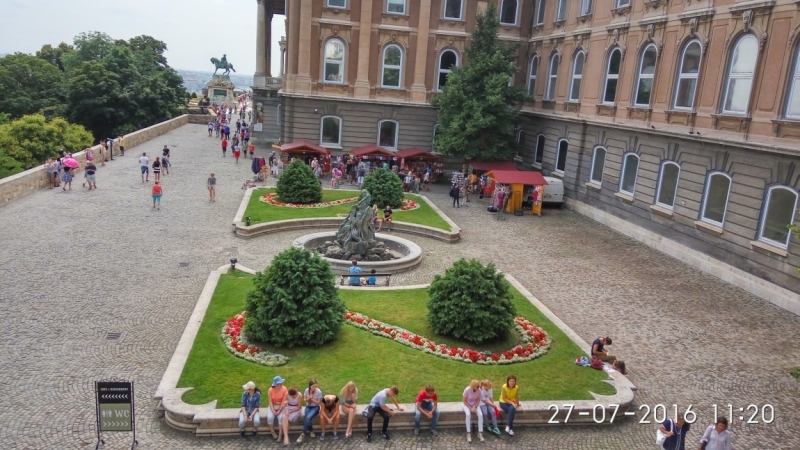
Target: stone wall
201	118
31	180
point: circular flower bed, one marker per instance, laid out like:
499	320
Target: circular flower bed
535	342
236	343
271	198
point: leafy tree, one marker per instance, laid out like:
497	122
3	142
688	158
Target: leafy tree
298	184
4	118
476	108
385	187
32	139
93	98
28	85
9	166
55	55
295	301
470	302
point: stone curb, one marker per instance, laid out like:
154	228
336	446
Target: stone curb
207	420
243	230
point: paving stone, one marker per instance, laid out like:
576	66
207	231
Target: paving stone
76	265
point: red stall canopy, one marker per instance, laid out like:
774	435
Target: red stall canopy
493	165
415	153
371	150
518	177
303	146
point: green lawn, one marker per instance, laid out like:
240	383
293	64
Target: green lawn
375	362
264	212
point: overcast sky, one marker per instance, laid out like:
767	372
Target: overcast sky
194	30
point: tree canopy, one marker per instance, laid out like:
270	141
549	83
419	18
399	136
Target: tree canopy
476	109
32	139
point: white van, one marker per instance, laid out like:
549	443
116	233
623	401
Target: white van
554	191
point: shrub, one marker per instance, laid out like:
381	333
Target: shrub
471	302
385	187
298	184
295	302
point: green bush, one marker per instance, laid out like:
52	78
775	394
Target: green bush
298	184
471	302
385	187
295	302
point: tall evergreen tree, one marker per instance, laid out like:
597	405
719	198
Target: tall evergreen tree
477	110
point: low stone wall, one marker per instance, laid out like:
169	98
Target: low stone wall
31	180
201	118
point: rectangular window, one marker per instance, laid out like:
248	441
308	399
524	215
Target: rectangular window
540	12
452	9
337	3
396	6
586	7
621	3
561	10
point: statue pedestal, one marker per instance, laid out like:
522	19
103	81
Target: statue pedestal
220	89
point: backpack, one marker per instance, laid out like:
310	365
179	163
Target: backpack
596	363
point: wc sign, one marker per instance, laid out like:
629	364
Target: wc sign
115	405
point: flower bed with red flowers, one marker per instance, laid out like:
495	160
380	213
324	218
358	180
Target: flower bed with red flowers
272	199
409	204
236	343
535	342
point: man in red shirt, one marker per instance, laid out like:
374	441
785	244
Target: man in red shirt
224	147
427	404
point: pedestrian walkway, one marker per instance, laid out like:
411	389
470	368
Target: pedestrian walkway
77	265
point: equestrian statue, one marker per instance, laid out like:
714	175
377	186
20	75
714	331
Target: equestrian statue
222	64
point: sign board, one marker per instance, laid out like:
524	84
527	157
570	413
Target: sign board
258	127
115	402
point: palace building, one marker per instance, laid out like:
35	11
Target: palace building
676	122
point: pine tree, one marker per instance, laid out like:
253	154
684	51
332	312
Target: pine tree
384	187
476	109
298	184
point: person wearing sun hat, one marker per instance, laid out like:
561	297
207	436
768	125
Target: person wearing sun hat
251	401
277	395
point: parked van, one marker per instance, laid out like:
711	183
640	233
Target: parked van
554	191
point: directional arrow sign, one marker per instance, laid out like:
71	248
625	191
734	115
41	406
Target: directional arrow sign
115	417
114	392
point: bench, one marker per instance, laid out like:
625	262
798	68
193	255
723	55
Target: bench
344	280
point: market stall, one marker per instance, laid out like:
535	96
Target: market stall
375	155
514	188
302	149
418	160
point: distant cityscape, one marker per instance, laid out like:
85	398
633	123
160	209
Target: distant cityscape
195	81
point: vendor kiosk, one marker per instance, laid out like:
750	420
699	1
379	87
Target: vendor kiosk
521	187
302	150
417	160
375	154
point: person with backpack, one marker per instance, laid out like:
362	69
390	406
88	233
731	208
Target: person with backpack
454	193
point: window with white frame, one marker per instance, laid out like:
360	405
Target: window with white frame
668	184
647	70
577	76
612	76
793	101
779	211
561	10
598	163
392	66
447	61
561	156
330	131
508	12
337	3
540	12
740	75
686	84
586	7
621	3
532	76
539	152
552	77
334	62
387	133
715	198
630	170
452	9
396	6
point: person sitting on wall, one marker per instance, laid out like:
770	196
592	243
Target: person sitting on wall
355	271
372	279
387	217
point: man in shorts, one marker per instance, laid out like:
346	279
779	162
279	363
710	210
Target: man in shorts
210	128
361	172
144	162
91	169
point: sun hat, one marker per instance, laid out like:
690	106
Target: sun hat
249	385
277	380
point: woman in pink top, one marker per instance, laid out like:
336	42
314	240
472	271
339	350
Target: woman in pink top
471	404
277	395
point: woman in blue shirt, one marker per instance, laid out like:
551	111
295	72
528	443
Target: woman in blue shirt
251	401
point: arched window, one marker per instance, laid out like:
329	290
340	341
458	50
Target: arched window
532	76
561	156
396	6
452	9
387	133
715	198
598	163
330	131
577	75
668	184
740	75
630	170
779	212
561	9
508	12
540	12
647	69
334	62
392	66
447	60
686	84
793	102
552	78
539	153
612	76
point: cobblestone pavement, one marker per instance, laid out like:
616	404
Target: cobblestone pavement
76	265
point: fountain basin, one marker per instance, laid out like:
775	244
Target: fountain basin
411	253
